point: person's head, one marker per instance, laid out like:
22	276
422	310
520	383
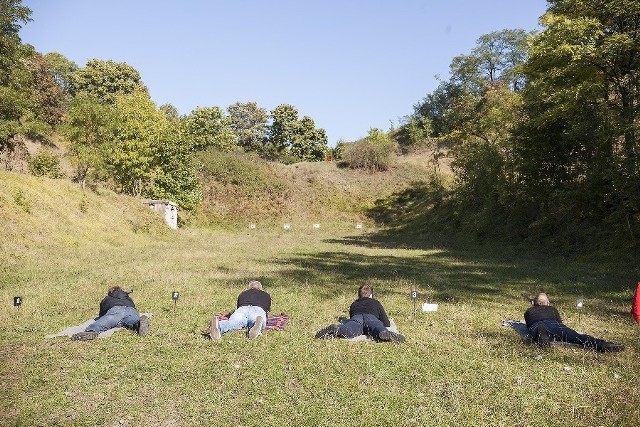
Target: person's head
541	299
114	289
254	284
365	291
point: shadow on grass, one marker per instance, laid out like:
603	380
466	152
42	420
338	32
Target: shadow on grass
458	272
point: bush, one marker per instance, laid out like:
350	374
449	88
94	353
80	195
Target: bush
375	153
45	163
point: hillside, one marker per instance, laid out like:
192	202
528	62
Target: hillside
41	212
240	189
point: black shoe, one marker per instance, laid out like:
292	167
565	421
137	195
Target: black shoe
328	332
84	336
143	328
543	337
387	335
610	347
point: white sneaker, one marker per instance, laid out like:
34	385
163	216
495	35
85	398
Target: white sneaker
214	330
256	329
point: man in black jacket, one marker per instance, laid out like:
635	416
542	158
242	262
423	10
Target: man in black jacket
117	309
545	326
366	316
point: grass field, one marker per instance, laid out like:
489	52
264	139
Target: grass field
61	248
459	366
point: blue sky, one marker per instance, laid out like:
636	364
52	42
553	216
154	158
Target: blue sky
350	65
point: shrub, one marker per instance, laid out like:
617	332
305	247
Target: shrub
45	163
374	153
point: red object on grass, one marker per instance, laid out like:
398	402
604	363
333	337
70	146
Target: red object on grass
635	308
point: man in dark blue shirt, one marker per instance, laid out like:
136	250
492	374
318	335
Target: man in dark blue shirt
366	316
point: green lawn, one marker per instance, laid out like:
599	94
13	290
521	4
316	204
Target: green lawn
459	365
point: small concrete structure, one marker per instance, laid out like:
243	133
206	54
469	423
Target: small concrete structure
167	209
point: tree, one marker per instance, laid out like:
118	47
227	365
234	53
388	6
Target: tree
48	95
175	175
87	128
580	141
15	79
134	139
170	111
309	143
12	16
107	80
283	127
145	153
295	139
249	123
208	127
62	70
495	59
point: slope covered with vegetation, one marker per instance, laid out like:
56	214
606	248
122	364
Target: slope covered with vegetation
238	188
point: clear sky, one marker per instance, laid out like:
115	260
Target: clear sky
350	65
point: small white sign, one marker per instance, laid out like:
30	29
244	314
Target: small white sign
580	304
429	307
316	226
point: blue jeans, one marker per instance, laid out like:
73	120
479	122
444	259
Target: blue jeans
244	317
559	332
361	324
116	317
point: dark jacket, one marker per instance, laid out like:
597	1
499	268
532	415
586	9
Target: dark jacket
115	299
366	305
255	297
541	312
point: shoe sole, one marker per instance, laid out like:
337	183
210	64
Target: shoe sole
391	336
214	331
143	329
612	348
84	336
543	337
255	330
328	332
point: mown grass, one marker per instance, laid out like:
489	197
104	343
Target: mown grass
459	366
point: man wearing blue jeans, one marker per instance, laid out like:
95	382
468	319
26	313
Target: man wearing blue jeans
117	309
366	316
252	307
545	326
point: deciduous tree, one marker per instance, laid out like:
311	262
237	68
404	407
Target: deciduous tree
87	128
208	127
580	142
107	79
249	123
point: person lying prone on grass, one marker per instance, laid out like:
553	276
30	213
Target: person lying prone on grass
367	316
545	326
253	304
117	309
